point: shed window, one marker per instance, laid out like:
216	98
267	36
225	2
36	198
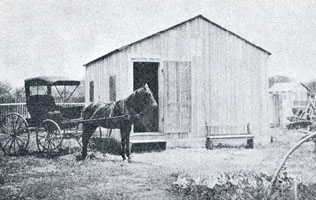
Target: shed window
112	85
91	90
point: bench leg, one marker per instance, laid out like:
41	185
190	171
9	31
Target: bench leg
209	144
250	143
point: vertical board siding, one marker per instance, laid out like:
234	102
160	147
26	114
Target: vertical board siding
213	73
236	77
239	84
228	76
199	81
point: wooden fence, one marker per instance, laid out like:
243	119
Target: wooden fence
18	105
21	108
300	103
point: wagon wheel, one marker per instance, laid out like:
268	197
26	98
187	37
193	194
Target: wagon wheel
14	134
49	137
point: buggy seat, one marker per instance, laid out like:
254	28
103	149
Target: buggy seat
39	107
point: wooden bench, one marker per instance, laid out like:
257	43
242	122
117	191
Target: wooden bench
148	141
228	132
141	145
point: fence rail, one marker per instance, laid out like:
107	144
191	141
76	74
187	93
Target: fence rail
300	103
6	108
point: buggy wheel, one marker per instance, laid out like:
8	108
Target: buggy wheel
14	134
49	137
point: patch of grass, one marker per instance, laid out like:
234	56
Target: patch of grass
36	176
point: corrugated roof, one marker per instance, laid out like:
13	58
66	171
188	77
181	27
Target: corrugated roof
199	16
286	87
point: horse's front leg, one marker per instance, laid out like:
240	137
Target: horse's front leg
125	150
128	148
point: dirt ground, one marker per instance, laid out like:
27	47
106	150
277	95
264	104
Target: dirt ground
151	175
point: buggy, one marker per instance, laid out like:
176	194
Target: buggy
52	122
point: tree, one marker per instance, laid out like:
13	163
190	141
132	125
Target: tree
311	84
19	92
5	88
278	79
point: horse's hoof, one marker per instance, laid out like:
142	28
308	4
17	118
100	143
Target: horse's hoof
93	157
79	158
130	160
124	162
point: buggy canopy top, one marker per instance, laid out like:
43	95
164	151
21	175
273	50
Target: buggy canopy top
50	81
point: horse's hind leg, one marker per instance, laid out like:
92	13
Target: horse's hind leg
123	146
87	131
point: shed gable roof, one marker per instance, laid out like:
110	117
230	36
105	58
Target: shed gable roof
287	87
172	27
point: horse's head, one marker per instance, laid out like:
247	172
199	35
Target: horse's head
145	95
143	99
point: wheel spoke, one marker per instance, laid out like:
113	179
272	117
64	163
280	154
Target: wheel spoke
13	127
43	144
54	145
48	143
24	135
5	138
41	136
21	142
17	141
11	145
7	129
7	142
20	126
51	145
14	145
16	123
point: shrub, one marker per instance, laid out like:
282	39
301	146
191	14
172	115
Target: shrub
241	185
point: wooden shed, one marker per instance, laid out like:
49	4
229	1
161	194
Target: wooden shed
201	74
283	97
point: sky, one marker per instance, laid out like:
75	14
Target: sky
55	37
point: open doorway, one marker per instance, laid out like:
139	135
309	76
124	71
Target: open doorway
147	72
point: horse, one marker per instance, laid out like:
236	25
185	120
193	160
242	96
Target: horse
131	108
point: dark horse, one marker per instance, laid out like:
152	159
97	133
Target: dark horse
131	108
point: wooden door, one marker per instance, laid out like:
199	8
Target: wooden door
276	109
177	97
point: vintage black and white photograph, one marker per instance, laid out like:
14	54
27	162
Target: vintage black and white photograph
158	99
